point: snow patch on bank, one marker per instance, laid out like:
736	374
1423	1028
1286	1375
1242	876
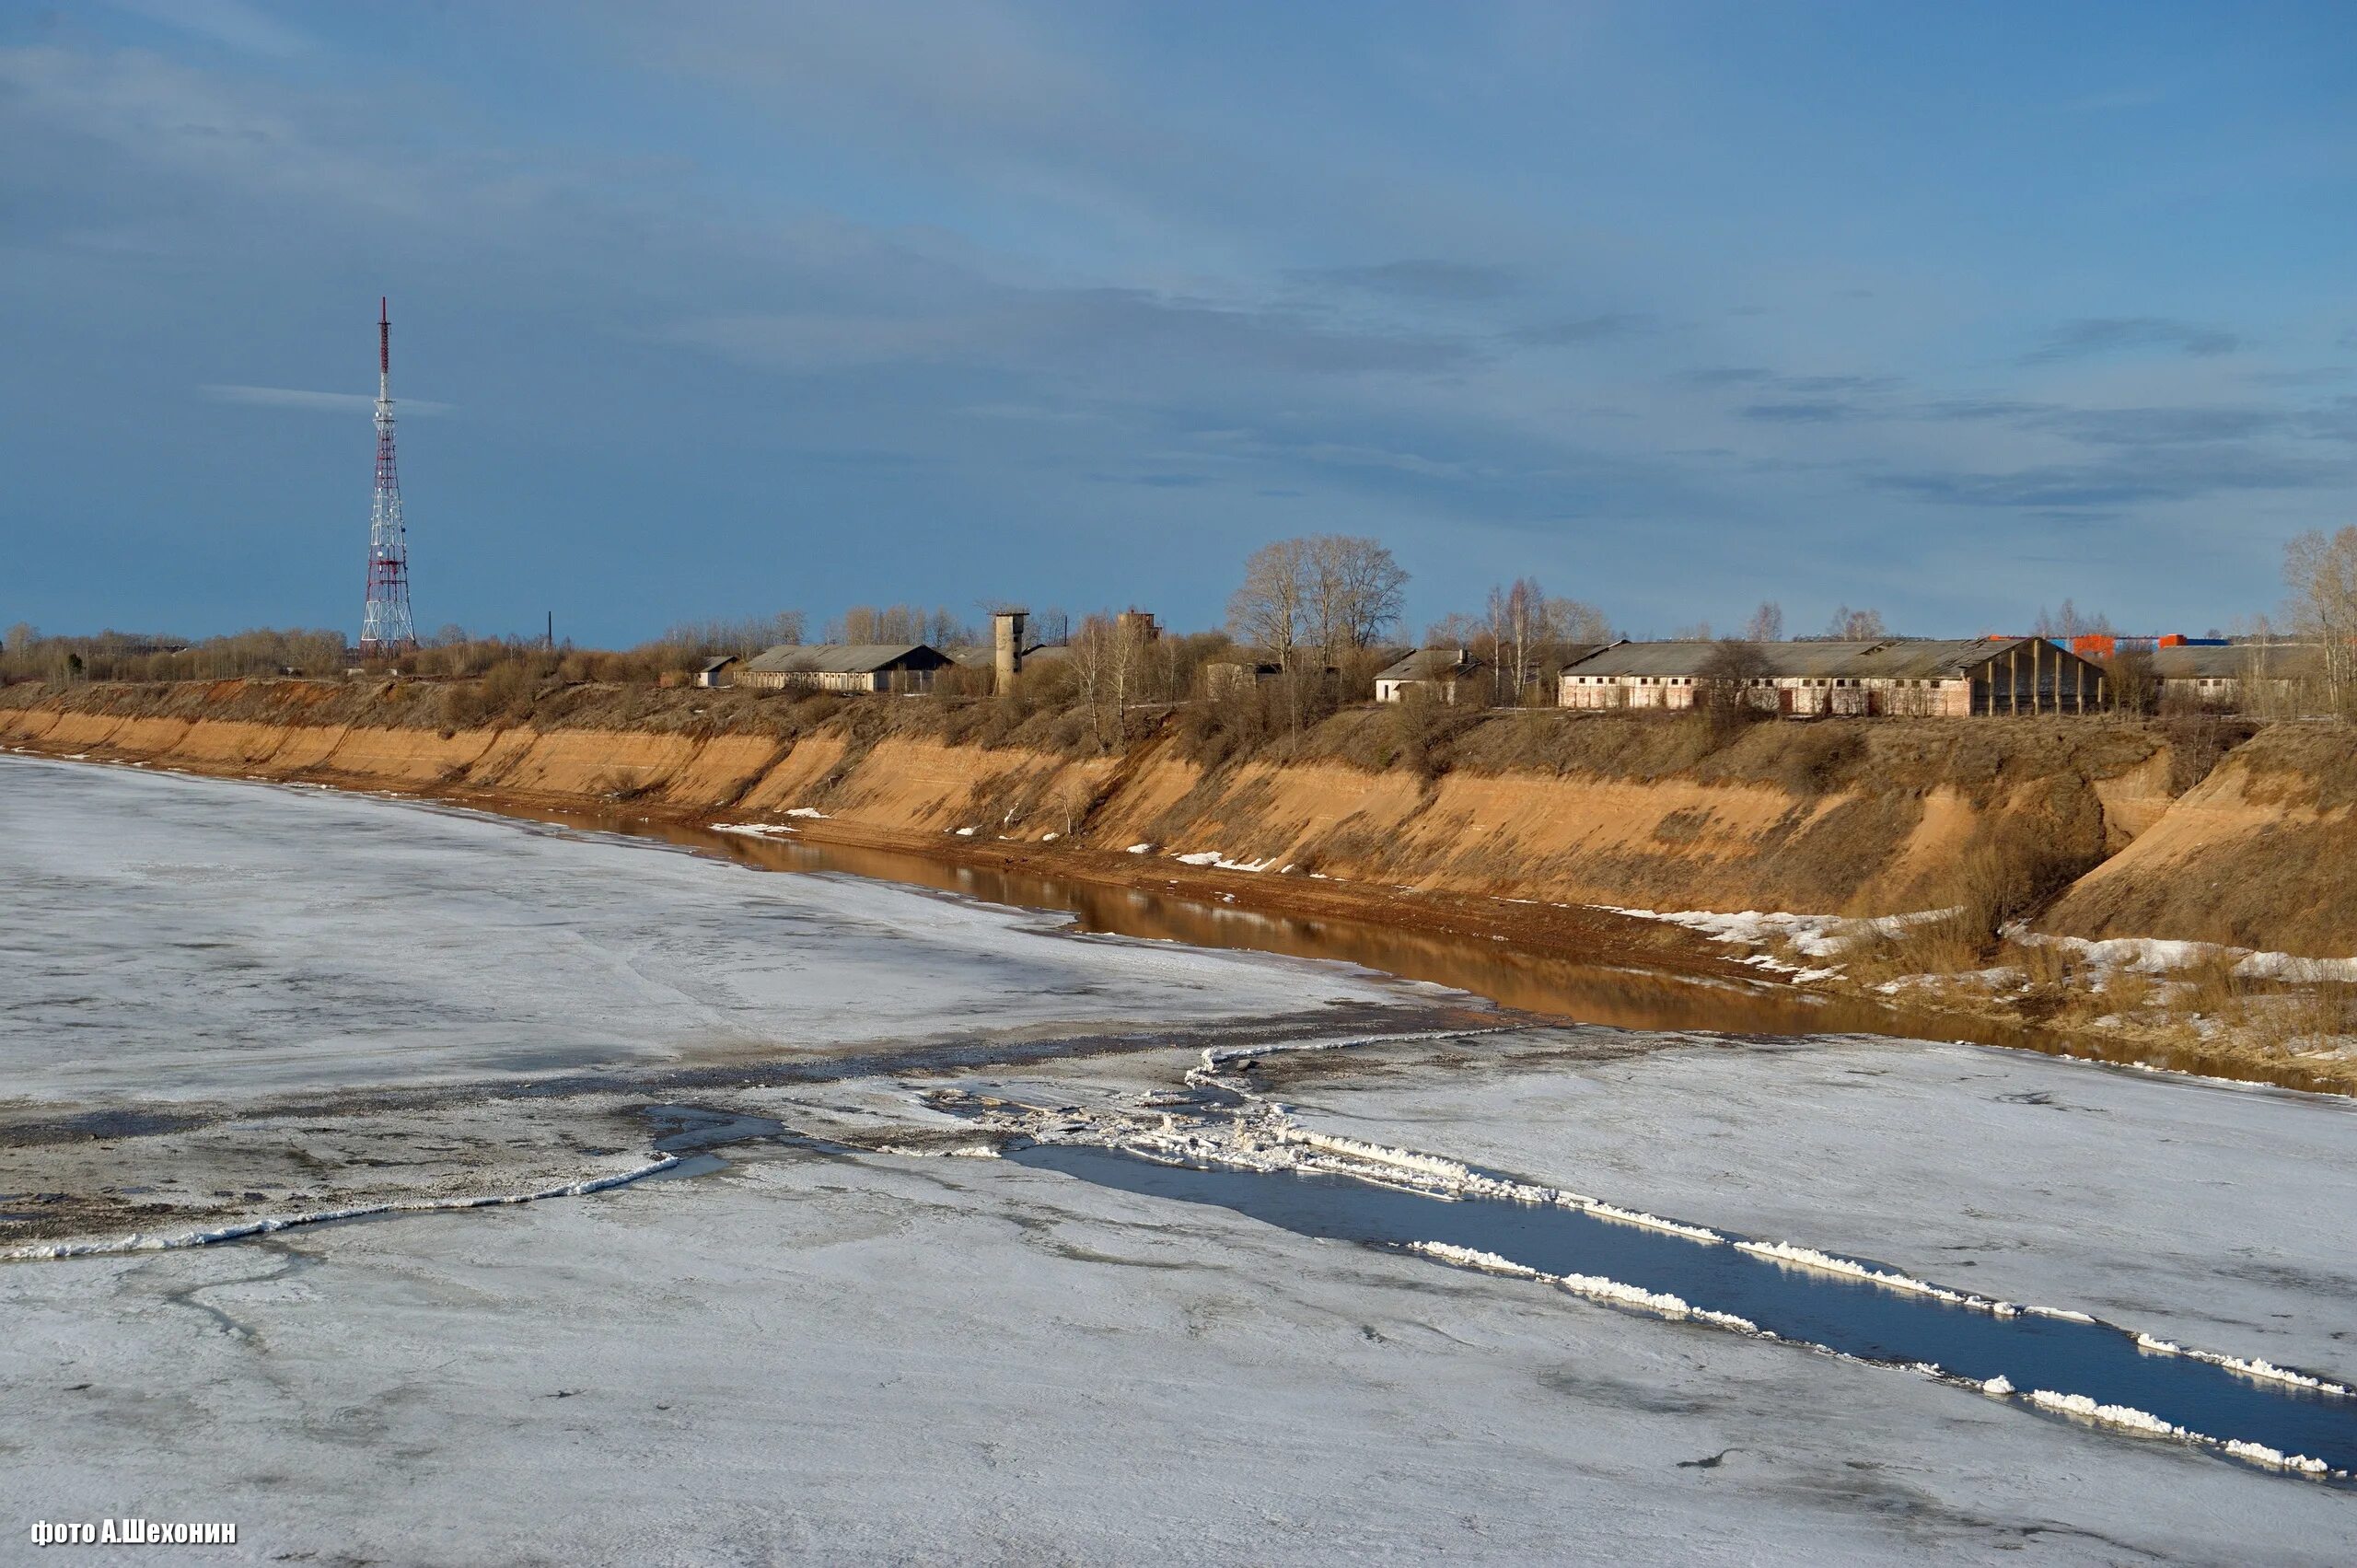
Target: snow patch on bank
757	830
1811	935
1212	857
2158	956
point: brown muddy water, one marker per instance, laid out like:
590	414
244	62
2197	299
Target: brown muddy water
1617	995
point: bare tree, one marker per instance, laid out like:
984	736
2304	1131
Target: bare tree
1766	624
879	624
683	645
2135	687
1729	677
1456	630
1129	666
1270	610
1855	626
946	630
1329	592
2321	572
2067	623
1698	633
1092	662
1518	616
1576	621
1373	588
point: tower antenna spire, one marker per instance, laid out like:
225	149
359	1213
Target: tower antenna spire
386	628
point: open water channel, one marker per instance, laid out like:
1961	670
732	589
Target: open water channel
2029	1350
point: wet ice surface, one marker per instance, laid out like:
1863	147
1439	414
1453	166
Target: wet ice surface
169	937
959	1360
864	1355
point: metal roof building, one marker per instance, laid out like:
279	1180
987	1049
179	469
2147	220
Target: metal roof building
845	667
2285	661
1892	676
2265	680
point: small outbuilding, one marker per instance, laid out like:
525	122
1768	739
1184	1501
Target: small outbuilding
1438	673
1224	678
716	671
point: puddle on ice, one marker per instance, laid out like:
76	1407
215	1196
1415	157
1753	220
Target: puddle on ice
695	1135
2029	1351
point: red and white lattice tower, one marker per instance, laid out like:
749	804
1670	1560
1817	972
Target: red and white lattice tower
385	624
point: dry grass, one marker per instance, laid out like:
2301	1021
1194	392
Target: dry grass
2129	993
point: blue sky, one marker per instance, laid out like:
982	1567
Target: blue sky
715	309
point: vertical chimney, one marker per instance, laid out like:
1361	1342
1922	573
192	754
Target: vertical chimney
1006	635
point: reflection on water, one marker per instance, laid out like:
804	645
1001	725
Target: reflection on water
1547	984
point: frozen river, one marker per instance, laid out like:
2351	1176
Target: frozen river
833	1337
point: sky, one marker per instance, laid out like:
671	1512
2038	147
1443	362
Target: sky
726	307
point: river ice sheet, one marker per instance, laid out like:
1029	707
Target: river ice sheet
166	937
872	1356
960	1360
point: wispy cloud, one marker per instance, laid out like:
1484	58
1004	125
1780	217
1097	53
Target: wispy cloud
1123	333
312	403
2158	474
1420	278
1588	330
1724	376
1817	413
2164	426
230	22
2094	335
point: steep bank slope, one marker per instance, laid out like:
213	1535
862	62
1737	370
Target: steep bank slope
2261	854
2131	823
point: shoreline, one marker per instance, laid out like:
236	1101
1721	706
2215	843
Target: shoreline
1490	930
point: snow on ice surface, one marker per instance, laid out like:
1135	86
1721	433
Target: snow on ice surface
171	937
890	1359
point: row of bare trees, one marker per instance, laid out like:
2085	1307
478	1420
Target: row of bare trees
1522	636
2320	570
1767	625
1320	595
26	655
940	626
